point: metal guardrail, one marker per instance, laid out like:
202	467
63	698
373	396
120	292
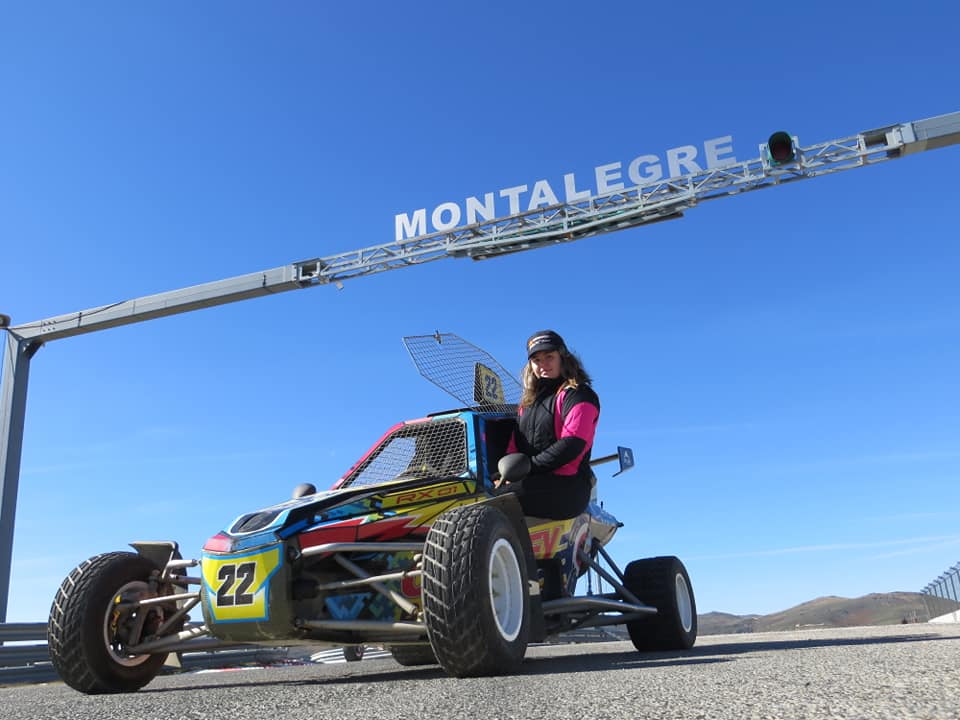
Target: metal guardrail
942	596
14	632
28	660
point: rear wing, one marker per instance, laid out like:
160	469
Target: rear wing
623	454
469	374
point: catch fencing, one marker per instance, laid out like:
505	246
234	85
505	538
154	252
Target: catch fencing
942	596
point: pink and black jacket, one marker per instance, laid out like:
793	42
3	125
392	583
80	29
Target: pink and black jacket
557	430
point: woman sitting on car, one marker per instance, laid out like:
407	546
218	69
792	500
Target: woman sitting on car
556	422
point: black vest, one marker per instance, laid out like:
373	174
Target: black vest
537	424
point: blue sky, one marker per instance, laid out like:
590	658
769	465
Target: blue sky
783	363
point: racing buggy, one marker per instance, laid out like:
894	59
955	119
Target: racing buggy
413	549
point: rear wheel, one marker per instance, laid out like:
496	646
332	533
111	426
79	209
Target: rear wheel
475	598
663	583
94	616
412	655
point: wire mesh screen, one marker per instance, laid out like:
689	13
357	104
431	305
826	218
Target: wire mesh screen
425	449
471	375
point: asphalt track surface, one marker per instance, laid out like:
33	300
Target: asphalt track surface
901	672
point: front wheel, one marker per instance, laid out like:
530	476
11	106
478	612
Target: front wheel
475	598
95	614
663	583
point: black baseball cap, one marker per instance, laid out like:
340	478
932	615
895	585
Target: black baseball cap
544	340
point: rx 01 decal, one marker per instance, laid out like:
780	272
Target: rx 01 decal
238	586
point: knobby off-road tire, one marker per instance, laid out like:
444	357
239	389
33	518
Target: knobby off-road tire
663	583
79	633
412	655
475	597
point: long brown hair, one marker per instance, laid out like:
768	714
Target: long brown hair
571	370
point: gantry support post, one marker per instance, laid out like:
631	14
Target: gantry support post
13	409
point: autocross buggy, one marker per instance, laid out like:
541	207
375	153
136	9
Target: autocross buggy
412	549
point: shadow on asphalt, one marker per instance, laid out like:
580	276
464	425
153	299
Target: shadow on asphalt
737	648
589	661
706	654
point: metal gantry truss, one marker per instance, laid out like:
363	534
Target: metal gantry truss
640	205
550	225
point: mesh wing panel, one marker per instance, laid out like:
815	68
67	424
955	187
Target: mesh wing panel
426	449
471	375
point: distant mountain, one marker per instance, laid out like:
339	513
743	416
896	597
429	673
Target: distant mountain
718	623
874	609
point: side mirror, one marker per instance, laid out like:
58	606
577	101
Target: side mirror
514	467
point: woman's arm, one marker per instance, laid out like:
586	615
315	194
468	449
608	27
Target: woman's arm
579	410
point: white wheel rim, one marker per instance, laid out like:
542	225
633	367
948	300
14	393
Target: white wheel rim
684	604
139	588
506	589
582	542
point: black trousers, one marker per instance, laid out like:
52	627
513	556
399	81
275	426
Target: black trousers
555	497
